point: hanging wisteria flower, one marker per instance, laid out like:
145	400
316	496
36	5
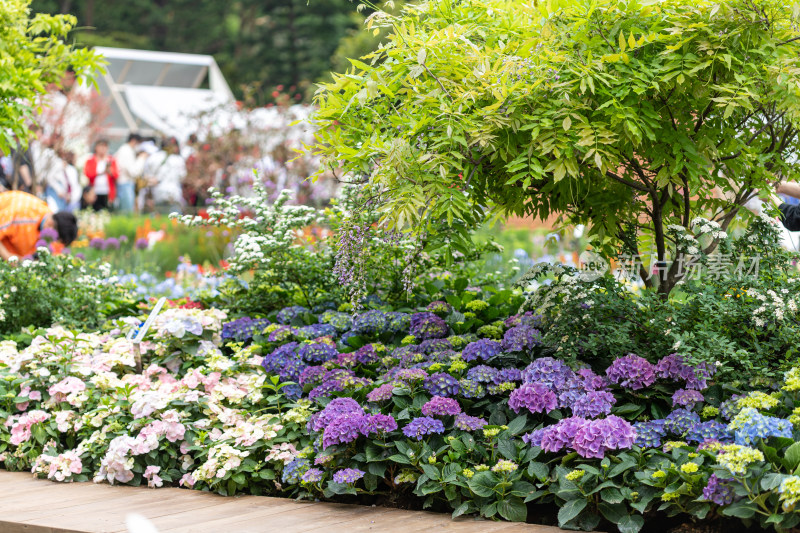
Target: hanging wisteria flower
422	426
534	397
439	406
521	338
482	349
687	397
441	384
428	326
719	490
347	475
465	422
632	372
593	404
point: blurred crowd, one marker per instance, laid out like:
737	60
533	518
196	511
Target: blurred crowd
143	175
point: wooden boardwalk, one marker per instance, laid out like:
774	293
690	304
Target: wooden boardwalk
29	505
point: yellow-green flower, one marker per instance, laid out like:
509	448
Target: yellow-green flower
458	366
672	444
737	458
757	400
791	380
709	411
689	468
477	305
467	473
408	339
432	459
491	432
575	475
659	474
670	496
481	468
504	465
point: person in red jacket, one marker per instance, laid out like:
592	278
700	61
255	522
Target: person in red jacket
101	169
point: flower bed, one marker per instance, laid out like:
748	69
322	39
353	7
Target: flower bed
457	406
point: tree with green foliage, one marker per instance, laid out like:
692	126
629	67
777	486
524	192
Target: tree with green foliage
263	43
633	117
34	54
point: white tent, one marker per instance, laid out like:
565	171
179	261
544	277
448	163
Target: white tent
160	92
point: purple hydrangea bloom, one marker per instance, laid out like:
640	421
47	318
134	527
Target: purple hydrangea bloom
632	372
434	345
719	490
366	355
243	328
378	424
442	384
596	437
316	330
675	368
482	349
593	404
592	381
472	389
312	475
649	434
550	372
521	338
465	422
347	475
294	469
534	438
381	394
370	322
534	397
526	319
482	374
340	321
507	375
318	352
281	334
561	434
287	314
421	426
681	421
343	429
335	408
312	375
709	431
428	326
439	307
409	375
686	397
439	406
728	408
397	322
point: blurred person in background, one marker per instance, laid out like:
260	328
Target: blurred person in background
165	171
131	166
102	173
58	184
23	220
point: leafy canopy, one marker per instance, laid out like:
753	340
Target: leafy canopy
627	116
33	54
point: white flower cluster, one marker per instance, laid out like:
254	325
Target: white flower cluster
774	306
703	226
265	227
685	242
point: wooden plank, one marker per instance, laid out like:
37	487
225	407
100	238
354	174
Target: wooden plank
35	506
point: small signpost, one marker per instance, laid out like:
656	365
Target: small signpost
142	331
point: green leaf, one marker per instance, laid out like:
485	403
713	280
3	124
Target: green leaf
611	495
566	125
630	524
461	509
402	459
507	449
613	512
791	458
516	426
570	510
742	509
483	484
513	509
538	470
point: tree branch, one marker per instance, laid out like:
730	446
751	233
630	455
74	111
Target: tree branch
631	184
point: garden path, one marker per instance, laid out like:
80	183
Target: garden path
28	505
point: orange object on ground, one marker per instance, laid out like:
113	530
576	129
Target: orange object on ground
21	217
